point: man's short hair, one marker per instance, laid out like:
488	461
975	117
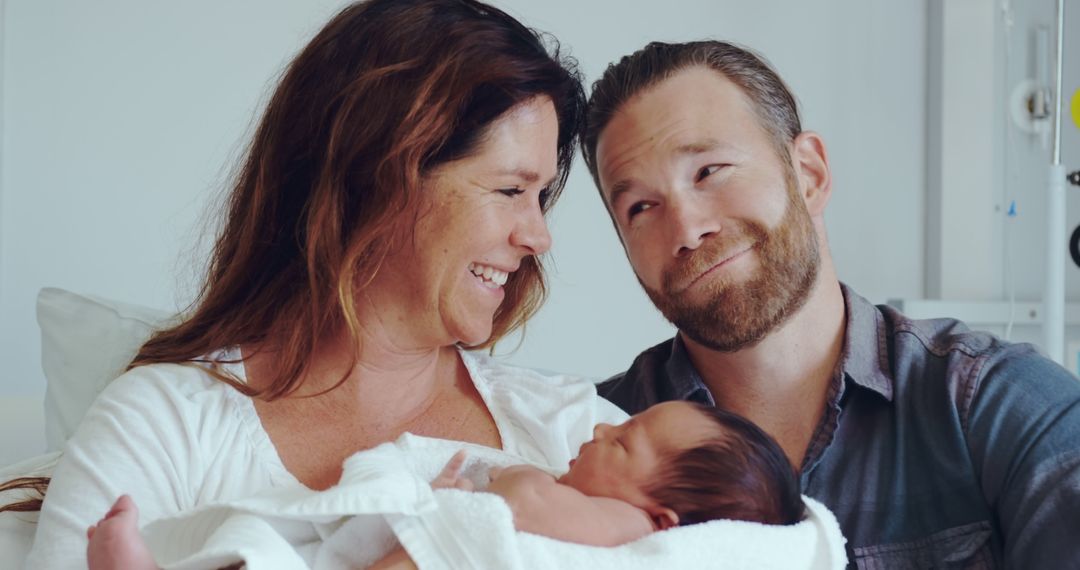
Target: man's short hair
774	103
740	474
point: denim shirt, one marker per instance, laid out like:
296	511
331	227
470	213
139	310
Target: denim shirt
939	447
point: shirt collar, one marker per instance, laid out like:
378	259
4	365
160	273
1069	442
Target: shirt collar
684	382
865	357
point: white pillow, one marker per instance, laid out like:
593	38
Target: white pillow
86	342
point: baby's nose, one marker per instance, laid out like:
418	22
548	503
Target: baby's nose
600	430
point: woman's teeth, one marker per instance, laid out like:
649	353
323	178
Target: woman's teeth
488	275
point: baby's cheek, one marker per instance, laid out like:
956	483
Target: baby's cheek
598	481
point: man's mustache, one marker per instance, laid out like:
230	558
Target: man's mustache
685	270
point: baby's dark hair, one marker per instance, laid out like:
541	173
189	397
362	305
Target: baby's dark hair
741	474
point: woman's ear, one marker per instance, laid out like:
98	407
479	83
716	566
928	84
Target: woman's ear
810	161
664	518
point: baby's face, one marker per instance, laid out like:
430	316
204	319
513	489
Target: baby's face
621	461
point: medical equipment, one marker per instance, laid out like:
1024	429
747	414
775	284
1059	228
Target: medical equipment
1054	289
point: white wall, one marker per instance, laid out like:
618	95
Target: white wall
3	172
964	210
122	119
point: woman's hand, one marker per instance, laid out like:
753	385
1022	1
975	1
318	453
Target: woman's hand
450	477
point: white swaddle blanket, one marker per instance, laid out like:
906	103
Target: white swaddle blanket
384	497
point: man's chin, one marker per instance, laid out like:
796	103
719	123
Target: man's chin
725	319
729	343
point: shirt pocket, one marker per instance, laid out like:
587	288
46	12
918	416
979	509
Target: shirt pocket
967	547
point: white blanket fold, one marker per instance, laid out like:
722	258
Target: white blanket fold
384	497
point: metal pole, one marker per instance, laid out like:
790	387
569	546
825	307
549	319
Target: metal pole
1054	292
1058	64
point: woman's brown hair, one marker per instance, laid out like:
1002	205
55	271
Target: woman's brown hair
384	93
388	90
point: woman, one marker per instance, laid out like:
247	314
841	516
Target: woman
389	212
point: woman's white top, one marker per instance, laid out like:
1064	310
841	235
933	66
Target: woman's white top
174	438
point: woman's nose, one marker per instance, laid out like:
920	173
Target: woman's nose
532	232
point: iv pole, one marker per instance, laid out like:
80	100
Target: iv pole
1054	293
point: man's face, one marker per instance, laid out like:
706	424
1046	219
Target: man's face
710	214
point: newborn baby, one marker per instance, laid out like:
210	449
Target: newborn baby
676	463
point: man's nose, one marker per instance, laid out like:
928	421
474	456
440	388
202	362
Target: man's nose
689	223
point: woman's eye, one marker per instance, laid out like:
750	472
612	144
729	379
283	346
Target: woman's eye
542	197
638	208
707	171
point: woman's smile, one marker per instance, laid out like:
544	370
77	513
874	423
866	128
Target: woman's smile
491	277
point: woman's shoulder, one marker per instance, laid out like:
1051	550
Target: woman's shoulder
169	381
180	419
178	393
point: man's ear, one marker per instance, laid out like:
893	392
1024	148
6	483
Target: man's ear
811	163
664	518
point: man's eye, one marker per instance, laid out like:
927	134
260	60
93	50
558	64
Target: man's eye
511	191
707	171
638	208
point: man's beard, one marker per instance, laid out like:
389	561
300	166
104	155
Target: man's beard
737	315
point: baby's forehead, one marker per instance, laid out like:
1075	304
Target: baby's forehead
680	422
670	408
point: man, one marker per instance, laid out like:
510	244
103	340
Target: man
934	446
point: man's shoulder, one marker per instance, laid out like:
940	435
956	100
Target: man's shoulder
1018	376
953	342
635	389
970	361
942	336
